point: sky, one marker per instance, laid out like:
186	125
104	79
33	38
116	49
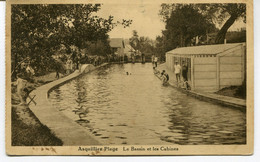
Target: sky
146	20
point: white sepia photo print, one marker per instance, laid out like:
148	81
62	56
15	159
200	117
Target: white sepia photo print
129	77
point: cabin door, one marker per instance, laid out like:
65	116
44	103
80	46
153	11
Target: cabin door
188	63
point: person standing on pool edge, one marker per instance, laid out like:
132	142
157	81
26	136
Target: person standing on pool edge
155	61
184	72
177	70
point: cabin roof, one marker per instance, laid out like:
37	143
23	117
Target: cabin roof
117	43
205	49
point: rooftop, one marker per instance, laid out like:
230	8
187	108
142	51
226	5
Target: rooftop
117	42
205	49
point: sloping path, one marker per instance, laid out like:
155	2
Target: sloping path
211	97
61	126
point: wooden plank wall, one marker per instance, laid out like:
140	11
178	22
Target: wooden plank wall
214	73
205	75
168	57
170	62
231	68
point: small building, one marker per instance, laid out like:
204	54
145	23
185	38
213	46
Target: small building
117	46
211	67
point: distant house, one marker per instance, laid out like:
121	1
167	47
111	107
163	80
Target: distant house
211	67
117	46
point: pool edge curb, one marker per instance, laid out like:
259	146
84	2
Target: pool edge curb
64	128
208	98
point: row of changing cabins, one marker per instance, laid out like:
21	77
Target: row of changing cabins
211	67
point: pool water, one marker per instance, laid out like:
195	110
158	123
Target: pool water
137	109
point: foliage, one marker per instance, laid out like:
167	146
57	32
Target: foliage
236	36
98	48
142	44
134	40
160	47
184	23
214	13
39	31
234	11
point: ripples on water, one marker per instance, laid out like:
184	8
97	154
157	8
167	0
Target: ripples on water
136	109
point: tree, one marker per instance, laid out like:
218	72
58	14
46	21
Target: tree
39	31
100	47
142	44
30	32
234	11
184	23
134	41
214	13
160	47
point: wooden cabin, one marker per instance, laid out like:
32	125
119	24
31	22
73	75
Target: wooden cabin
211	67
117	46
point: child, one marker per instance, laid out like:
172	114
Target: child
186	85
165	77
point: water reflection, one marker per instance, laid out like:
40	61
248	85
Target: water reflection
136	109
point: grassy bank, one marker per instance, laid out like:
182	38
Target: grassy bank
26	129
233	91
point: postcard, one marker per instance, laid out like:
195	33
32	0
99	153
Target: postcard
129	77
